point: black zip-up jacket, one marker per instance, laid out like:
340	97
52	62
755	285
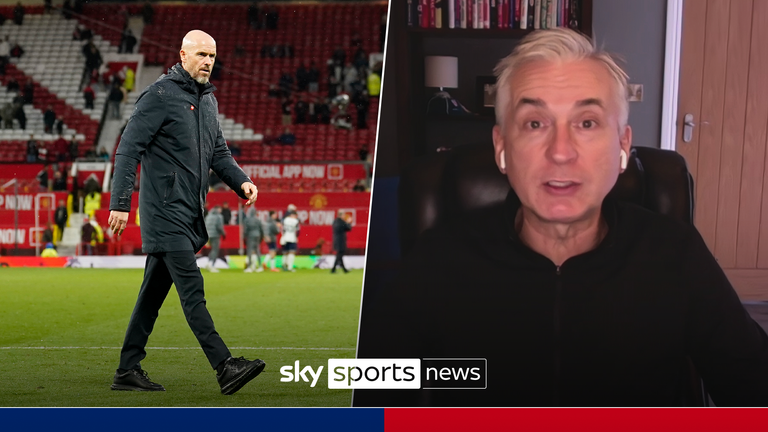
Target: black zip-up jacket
174	132
610	327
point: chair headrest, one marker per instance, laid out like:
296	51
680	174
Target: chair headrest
445	185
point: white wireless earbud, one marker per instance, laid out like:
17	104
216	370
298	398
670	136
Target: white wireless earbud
503	162
623	159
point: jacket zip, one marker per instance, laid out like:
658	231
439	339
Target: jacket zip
169	188
199	114
556	339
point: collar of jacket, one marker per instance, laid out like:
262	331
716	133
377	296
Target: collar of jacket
179	75
605	254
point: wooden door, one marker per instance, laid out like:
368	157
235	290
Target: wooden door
724	85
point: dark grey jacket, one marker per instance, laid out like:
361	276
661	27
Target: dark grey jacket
340	228
214	224
253	226
174	132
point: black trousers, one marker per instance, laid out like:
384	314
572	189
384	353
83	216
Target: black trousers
162	270
339	260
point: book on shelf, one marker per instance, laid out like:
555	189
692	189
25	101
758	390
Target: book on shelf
551	15
433	11
493	14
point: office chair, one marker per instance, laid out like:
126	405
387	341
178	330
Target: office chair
442	186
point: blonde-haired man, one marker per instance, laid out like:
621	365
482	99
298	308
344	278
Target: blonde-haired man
572	298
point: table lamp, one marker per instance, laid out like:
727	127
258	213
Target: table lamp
442	72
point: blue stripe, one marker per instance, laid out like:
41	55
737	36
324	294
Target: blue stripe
193	419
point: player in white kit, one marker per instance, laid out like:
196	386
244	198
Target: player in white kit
289	239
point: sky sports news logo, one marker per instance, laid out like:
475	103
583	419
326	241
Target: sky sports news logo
430	373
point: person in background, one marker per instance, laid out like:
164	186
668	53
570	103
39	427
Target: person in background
147	13
341	226
362	103
254	231
18	14
87	236
49	118
20	115
359	186
32	150
49	251
60	216
59	182
130	79
58	127
73	149
8	114
116	96
271	230
268	138
289	240
13	85
288	137
214	224
226	213
127	41
302	109
47	236
313	76
92	201
88	96
66	9
5	55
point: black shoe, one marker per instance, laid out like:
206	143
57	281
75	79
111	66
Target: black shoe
237	372
135	380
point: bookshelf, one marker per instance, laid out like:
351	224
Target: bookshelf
478	51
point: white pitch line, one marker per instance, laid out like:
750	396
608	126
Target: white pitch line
180	348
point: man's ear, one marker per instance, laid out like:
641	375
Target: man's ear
183	56
625	140
499	149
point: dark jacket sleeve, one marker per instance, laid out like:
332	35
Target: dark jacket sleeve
225	166
729	349
147	118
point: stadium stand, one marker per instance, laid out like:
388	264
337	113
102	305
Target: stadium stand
54	62
246	109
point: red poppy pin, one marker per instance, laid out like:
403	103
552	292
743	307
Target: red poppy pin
192	107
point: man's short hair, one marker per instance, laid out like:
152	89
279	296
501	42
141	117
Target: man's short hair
557	45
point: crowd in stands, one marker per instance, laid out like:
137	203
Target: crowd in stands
61	150
354	83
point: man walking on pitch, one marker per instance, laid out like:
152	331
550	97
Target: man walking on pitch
174	132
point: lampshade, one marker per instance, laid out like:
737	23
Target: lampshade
441	71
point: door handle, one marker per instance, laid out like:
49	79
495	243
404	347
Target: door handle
688	126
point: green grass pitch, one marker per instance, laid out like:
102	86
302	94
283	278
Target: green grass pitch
62	329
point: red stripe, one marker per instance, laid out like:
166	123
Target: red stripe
572	419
